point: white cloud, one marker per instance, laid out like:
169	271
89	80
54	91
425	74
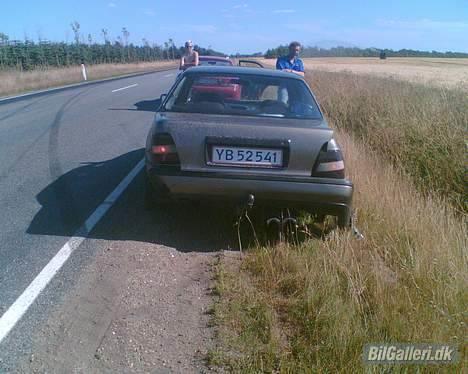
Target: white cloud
111	5
304	27
239	10
279	11
240	6
196	28
422	24
200	28
149	12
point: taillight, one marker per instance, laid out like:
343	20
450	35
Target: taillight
164	151
329	163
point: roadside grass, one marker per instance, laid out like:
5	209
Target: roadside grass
419	128
17	81
312	307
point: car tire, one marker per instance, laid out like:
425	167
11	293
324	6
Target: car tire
152	198
344	219
149	195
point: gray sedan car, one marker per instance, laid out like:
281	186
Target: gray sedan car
233	133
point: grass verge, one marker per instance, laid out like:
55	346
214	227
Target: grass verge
313	306
16	81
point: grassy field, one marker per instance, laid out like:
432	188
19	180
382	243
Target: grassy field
16	81
311	307
418	128
439	72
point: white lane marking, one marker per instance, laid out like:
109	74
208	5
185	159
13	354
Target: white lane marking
124	88
14	313
169	75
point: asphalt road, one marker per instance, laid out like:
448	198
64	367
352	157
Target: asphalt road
61	155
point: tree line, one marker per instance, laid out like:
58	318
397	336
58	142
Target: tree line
29	54
360	52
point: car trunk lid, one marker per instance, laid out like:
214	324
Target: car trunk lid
195	135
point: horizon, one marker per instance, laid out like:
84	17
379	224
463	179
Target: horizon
246	27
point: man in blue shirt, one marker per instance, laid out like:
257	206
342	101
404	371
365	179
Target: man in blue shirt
291	63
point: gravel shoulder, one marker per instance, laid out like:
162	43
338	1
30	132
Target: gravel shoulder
137	308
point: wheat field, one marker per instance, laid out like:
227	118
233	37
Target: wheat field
441	72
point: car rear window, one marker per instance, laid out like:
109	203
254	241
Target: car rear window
249	95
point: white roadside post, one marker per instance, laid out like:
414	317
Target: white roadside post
83	71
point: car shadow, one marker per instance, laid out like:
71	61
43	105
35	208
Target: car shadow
68	201
144	105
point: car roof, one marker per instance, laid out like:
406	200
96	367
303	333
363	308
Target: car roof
240	70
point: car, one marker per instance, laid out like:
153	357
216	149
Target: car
219	85
214	61
271	143
210	61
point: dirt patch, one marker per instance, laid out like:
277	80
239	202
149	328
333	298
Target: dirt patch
138	308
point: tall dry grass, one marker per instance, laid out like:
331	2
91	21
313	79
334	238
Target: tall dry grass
17	81
420	129
312	307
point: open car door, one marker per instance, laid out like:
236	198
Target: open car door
250	64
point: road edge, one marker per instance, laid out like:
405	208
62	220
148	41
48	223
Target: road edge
10	99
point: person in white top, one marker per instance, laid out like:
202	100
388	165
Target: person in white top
190	57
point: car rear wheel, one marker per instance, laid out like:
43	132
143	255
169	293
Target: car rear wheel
344	219
152	198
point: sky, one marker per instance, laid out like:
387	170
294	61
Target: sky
233	26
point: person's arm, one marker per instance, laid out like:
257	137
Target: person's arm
182	63
300	71
280	66
196	62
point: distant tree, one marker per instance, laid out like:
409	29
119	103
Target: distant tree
171	44
76	31
125	35
166	46
3	38
105	35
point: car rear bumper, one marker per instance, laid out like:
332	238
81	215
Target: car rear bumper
323	194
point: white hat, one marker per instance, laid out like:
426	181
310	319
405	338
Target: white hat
188	43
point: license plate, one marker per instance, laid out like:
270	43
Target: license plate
247	156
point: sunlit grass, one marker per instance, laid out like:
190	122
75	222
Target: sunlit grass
312	307
419	128
17	81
